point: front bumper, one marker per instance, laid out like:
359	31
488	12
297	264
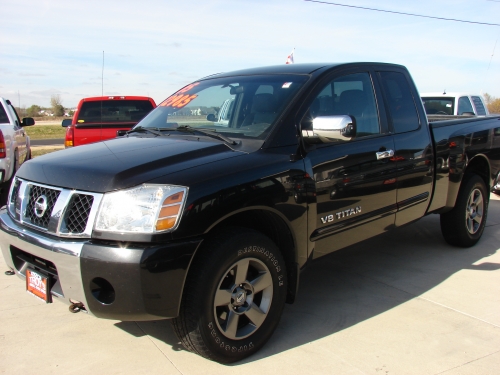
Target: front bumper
112	280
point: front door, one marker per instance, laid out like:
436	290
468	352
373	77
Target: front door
355	180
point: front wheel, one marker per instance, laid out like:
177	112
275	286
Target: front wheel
234	296
464	225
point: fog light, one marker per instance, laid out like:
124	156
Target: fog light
102	291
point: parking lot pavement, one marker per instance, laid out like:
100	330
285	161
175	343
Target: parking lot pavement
402	303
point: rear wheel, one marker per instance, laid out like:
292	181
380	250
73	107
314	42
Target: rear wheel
233	297
464	225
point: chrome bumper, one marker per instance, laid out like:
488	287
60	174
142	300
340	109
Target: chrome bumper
64	254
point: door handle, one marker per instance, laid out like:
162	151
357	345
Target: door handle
385	154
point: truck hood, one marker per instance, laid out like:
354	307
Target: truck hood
122	163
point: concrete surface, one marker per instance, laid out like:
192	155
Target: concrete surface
402	303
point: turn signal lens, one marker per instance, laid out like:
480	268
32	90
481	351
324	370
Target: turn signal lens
163	224
175	198
169	211
68	140
3	154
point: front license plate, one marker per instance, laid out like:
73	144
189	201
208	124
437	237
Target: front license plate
38	285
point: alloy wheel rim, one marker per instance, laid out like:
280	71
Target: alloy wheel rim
243	298
474	211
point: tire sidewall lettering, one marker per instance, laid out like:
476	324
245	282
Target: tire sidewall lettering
225	345
263	251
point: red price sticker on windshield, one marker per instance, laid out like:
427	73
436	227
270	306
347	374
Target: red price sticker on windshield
181	98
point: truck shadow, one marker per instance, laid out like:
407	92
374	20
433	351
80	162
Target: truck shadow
355	284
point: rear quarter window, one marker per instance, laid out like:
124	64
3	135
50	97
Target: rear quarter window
478	103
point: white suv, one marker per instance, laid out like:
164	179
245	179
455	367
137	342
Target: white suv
14	145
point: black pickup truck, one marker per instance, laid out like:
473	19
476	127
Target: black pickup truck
209	223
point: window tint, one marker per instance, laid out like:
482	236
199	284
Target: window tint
400	101
114	111
438	106
464	106
349	95
4	119
239	106
478	103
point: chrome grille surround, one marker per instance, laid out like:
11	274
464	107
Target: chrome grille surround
61	212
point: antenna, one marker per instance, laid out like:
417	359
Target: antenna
102	88
102	75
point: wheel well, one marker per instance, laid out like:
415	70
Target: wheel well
480	166
274	227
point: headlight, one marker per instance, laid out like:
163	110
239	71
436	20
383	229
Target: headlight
146	208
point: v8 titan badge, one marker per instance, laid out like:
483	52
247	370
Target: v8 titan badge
38	285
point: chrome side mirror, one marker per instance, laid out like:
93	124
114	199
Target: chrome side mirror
331	129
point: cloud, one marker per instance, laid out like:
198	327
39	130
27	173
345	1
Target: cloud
42	49
176	45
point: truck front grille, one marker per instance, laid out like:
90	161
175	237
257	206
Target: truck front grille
38	213
78	213
57	211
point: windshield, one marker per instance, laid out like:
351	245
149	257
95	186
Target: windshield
239	107
439	106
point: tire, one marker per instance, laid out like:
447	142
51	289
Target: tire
464	225
233	297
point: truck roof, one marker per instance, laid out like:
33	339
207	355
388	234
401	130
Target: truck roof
115	97
306	68
447	94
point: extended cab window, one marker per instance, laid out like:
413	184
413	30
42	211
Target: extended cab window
400	102
464	106
348	95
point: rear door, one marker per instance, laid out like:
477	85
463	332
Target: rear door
412	140
355	181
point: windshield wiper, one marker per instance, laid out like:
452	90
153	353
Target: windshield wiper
210	133
140	129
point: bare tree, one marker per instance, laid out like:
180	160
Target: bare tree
57	107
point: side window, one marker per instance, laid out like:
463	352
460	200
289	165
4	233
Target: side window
478	103
17	120
400	102
464	106
349	95
4	119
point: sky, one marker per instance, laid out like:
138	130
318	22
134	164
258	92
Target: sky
155	47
